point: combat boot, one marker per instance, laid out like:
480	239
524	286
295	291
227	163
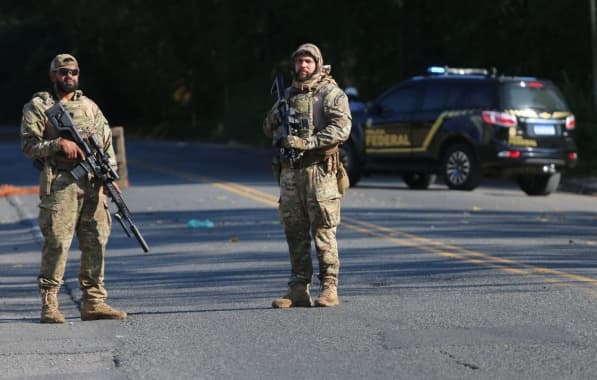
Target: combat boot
298	296
100	310
328	296
49	306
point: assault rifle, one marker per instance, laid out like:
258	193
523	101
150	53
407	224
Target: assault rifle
97	163
284	111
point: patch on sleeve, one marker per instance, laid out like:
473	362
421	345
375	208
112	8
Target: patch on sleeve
338	98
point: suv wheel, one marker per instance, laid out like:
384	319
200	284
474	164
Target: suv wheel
461	168
418	181
350	162
540	184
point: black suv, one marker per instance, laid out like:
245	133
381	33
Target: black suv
463	124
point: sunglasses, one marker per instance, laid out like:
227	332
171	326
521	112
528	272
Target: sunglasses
62	71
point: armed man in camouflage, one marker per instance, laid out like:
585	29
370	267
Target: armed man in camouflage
69	206
309	191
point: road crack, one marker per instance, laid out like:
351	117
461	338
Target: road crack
460	362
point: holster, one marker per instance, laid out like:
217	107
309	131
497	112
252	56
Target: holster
46	178
342	178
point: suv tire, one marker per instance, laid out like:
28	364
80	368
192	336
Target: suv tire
418	181
348	158
540	184
460	167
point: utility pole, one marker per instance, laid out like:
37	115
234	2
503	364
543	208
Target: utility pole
593	9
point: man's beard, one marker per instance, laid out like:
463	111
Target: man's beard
63	87
306	78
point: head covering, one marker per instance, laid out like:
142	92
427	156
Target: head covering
313	51
322	72
62	60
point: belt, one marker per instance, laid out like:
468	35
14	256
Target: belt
62	165
310	158
303	162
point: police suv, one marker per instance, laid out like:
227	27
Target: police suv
463	124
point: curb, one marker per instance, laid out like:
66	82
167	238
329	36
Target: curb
584	186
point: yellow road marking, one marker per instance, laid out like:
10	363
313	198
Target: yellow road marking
468	255
402	238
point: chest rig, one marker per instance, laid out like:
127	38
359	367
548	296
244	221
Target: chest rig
82	114
300	118
306	118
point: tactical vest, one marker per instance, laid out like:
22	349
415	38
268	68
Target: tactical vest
306	118
301	114
81	111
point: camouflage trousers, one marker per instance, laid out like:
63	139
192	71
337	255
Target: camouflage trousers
310	209
68	207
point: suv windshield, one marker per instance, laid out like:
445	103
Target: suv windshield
534	95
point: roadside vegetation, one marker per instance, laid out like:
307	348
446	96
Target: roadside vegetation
203	69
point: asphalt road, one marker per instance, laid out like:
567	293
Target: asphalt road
435	284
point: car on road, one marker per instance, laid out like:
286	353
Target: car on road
463	124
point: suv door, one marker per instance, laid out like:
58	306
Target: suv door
388	123
438	97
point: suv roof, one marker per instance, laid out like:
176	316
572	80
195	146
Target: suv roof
523	87
441	72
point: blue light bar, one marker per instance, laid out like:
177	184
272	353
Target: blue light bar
436	69
445	70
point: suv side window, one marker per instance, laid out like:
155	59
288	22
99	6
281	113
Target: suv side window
403	99
478	95
439	96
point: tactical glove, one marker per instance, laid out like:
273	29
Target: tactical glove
294	142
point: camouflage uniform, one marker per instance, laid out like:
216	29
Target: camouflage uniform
309	197
69	206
